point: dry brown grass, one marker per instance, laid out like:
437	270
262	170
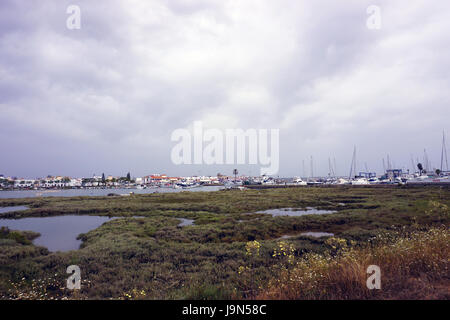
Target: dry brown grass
413	266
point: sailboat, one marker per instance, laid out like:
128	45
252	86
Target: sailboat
441	177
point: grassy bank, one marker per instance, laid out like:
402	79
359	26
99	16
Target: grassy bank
413	266
150	257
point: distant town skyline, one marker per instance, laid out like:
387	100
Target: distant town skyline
106	97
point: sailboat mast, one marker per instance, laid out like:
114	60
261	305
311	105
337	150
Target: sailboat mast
444	153
353	164
335	169
425	159
304	172
329	167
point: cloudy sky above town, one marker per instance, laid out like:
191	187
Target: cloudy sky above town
107	97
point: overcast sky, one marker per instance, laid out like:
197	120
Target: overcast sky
106	97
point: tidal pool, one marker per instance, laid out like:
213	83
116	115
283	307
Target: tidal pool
295	212
12	209
308	234
57	233
317	234
185	222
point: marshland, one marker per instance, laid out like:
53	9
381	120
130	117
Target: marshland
222	245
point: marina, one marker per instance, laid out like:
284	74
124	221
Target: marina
417	173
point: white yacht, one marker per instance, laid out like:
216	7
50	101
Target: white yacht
360	181
299	182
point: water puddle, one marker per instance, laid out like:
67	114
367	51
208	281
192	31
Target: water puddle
13	209
317	234
307	234
285	237
57	233
295	212
185	222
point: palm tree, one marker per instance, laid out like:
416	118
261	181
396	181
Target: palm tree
420	167
235	172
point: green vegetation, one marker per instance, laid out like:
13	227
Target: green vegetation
147	256
24	237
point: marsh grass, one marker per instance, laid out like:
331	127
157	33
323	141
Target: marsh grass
125	257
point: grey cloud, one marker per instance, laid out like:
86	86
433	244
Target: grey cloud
108	96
